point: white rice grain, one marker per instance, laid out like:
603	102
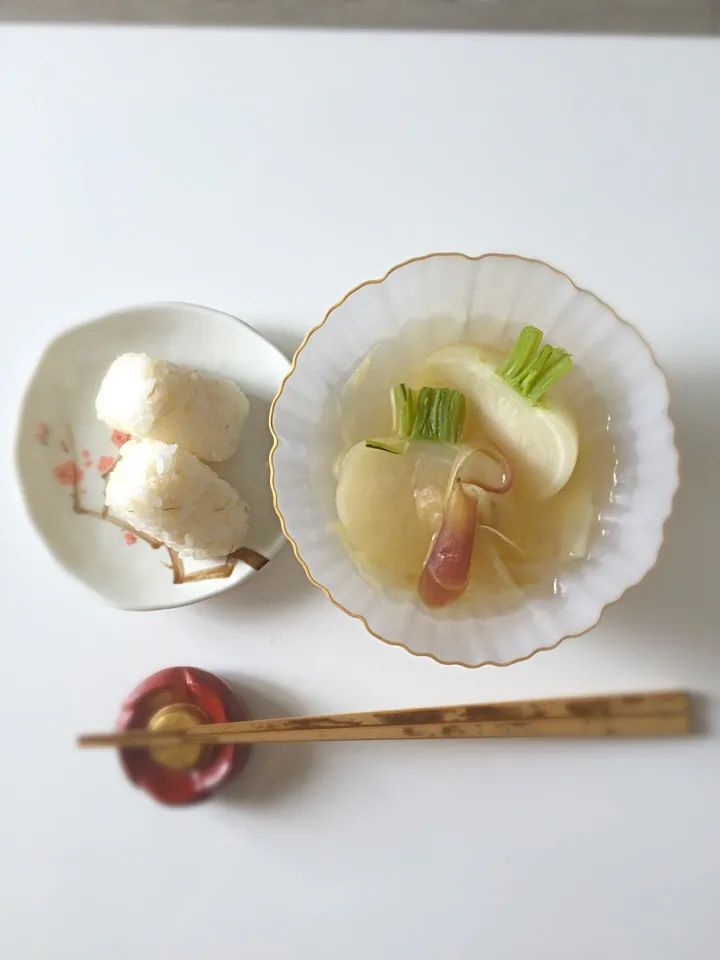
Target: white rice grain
169	494
159	400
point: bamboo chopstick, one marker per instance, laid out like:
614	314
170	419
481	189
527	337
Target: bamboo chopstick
627	715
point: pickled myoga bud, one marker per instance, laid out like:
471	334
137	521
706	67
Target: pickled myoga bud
446	572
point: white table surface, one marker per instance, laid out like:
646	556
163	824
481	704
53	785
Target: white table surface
264	174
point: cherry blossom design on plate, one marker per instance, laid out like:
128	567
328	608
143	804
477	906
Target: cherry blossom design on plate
119	438
68	473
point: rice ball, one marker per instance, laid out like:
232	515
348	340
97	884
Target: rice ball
159	400
170	495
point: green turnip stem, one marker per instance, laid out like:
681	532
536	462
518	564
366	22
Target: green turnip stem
532	369
433	413
550	375
523	351
403	410
439	415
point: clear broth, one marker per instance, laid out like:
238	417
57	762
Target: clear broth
551	535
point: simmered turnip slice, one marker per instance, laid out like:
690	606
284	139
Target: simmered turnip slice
538	435
389	507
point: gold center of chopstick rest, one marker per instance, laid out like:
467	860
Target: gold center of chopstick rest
174	718
618	715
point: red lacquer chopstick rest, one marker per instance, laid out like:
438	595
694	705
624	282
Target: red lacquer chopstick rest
175	699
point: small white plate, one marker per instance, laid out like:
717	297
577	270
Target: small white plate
62	450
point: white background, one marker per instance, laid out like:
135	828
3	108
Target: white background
265	173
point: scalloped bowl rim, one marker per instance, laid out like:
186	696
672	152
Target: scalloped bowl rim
474	259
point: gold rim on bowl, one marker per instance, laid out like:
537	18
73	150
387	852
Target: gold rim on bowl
276	440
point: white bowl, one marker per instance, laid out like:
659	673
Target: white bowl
58	428
487	299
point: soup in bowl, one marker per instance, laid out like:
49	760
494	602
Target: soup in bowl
474	457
